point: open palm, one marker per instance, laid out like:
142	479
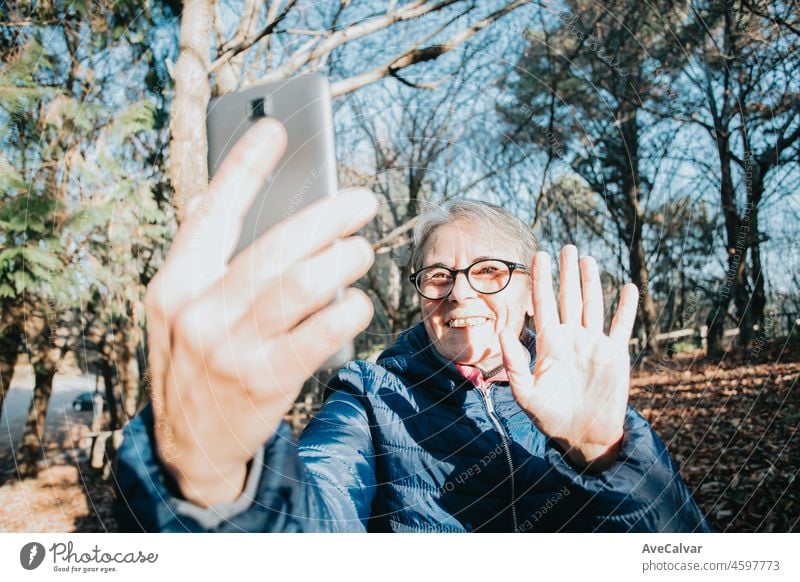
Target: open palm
578	390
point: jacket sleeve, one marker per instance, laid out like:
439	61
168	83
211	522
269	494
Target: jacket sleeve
325	482
641	492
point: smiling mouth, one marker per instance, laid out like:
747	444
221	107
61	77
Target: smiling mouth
463	322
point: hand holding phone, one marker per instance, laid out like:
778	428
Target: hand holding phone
305	173
233	340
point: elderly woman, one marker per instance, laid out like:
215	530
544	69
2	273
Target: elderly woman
469	422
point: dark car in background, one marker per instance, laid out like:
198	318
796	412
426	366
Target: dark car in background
85	401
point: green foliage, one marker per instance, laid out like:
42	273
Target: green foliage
684	347
78	213
18	78
28	268
134	118
11	184
29	255
27	217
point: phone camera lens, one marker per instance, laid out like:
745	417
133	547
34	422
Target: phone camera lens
257	108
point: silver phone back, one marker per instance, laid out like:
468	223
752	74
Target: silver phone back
307	170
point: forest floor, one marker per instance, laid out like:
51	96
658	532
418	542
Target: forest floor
730	423
67	495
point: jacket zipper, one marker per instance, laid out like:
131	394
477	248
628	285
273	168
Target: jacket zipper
487	398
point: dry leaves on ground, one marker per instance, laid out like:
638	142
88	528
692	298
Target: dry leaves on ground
731	424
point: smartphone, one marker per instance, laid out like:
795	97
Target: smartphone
307	170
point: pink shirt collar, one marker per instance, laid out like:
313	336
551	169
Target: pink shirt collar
475	376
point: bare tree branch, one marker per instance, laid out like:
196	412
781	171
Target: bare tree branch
394	74
418	55
320	48
245	44
228	75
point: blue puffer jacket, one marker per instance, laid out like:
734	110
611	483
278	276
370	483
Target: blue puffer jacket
409	445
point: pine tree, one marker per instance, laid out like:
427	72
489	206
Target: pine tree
79	207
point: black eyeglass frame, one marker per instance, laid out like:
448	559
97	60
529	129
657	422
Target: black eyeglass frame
512	266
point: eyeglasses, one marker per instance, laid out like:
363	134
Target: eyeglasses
487	276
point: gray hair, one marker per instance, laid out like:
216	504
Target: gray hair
495	219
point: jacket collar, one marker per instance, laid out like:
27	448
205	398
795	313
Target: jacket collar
414	356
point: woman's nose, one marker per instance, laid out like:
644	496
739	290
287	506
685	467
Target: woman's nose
461	288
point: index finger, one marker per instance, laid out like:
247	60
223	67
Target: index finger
207	237
624	318
217	222
569	289
545	313
306	233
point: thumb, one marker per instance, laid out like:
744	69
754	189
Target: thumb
516	360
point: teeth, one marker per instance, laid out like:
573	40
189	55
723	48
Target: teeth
467	322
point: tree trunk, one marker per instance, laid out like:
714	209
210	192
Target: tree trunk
408	304
9	351
125	361
188	171
758	301
734	278
143	392
628	168
129	377
741	294
671	306
32	448
111	399
641	277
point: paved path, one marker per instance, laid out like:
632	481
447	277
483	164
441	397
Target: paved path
61	499
63	424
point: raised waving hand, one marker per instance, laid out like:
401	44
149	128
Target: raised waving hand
578	391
